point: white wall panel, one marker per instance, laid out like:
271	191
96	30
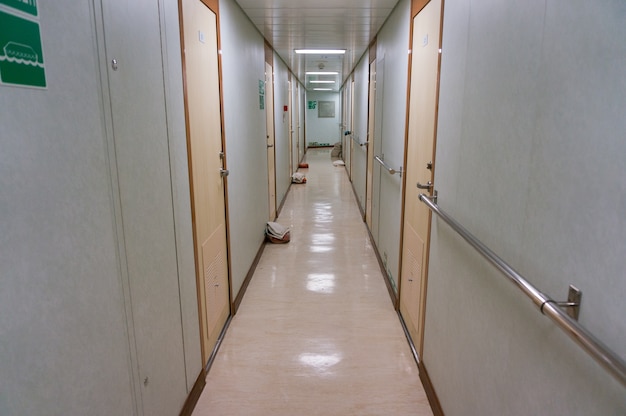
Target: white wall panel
530	159
302	139
243	66
346	125
359	134
89	217
281	129
180	189
297	121
133	37
63	337
392	72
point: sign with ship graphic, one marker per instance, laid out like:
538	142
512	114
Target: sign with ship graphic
21	53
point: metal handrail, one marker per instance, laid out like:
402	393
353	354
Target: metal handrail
387	167
608	359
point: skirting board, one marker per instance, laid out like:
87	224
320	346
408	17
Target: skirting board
356	198
282	203
430	390
246	281
392	292
194	394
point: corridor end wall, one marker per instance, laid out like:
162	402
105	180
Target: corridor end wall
322	130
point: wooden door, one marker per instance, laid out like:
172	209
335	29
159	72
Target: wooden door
351	128
376	149
371	112
420	167
292	165
296	124
271	155
301	124
206	159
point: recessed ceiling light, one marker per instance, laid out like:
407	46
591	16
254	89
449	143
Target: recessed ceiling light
322	51
321	82
322	73
322	89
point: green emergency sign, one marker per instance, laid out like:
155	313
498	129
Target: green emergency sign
26	6
21	53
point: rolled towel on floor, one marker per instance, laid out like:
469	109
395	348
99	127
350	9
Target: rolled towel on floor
277	233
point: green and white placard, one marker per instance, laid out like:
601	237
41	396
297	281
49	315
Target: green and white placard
26	6
261	94
21	53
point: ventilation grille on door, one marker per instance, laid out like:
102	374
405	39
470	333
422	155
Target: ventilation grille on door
215	274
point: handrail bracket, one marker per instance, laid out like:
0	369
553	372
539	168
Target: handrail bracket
433	197
572	306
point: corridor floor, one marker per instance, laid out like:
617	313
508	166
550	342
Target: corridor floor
316	332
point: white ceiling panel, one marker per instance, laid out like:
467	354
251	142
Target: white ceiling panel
319	24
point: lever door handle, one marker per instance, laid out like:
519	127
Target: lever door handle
224	173
270	145
428	186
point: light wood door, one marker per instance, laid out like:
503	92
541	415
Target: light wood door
292	165
206	163
351	128
295	134
371	117
419	167
271	155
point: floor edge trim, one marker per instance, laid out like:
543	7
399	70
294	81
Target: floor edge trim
194	394
246	281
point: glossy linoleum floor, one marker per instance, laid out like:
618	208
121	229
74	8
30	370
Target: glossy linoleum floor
316	332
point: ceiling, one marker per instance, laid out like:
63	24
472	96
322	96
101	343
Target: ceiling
319	24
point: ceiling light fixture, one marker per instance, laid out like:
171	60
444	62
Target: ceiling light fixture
322	73
321	82
322	89
322	51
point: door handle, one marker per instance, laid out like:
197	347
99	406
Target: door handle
224	173
428	186
270	145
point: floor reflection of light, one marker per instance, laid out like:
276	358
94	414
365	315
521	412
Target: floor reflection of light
318	238
321	363
322	213
320	249
323	218
273	276
321	283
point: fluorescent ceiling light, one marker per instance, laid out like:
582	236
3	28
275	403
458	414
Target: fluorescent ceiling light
321	82
322	73
322	51
322	89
